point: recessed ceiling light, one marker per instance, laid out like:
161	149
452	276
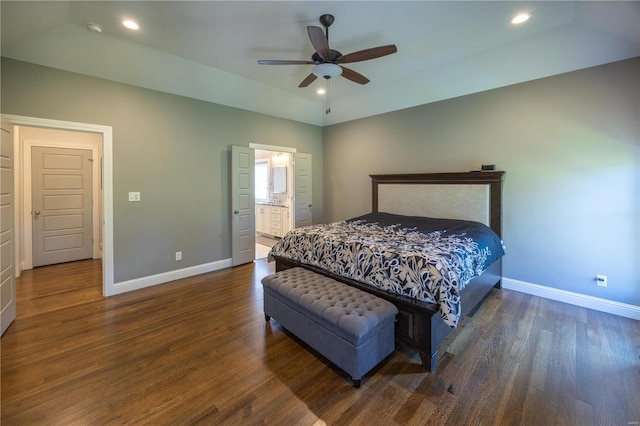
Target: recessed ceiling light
321	92
94	28
131	24
521	18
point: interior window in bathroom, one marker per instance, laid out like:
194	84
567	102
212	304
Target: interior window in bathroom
262	181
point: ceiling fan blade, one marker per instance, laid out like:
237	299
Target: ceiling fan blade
283	62
364	55
319	41
354	76
307	81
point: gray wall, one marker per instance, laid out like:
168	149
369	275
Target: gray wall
570	145
174	150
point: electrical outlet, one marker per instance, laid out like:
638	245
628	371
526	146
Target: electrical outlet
601	280
178	255
134	196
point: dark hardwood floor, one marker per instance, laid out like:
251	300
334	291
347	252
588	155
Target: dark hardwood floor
198	351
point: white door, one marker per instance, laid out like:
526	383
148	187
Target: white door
62	205
243	244
302	198
7	238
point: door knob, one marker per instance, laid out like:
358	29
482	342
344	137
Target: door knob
310	205
236	212
36	213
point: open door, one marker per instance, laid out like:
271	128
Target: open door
243	245
303	196
7	234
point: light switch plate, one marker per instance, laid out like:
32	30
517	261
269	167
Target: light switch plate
134	196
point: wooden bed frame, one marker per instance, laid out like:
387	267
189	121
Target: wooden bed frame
418	323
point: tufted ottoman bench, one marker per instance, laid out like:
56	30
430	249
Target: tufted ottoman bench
351	328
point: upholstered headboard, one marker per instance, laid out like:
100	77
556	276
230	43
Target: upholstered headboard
473	196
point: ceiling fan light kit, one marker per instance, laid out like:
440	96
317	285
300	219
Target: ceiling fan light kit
327	70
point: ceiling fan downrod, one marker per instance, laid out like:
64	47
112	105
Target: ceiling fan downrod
326	20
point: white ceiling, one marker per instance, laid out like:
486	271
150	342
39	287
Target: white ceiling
210	49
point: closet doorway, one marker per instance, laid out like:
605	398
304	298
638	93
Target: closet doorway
61	183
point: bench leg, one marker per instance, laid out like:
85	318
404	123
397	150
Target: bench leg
429	361
356	383
267	318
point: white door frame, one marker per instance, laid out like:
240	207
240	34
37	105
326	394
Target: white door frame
107	187
27	227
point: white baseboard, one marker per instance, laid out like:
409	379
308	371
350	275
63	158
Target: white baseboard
165	277
596	303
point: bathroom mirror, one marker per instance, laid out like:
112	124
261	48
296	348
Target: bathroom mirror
279	180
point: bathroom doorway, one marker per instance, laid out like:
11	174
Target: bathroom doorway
273	198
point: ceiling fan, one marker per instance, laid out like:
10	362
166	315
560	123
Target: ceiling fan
328	61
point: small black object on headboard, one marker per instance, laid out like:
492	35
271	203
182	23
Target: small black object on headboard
487	167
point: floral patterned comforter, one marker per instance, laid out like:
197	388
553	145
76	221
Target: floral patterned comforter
424	258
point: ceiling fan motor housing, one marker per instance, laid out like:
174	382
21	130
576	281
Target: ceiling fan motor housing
333	55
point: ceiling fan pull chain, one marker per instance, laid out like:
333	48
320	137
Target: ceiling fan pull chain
328	109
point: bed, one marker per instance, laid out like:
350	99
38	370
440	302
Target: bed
427	313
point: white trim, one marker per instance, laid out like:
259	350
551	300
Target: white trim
165	277
596	303
272	147
17	208
107	183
